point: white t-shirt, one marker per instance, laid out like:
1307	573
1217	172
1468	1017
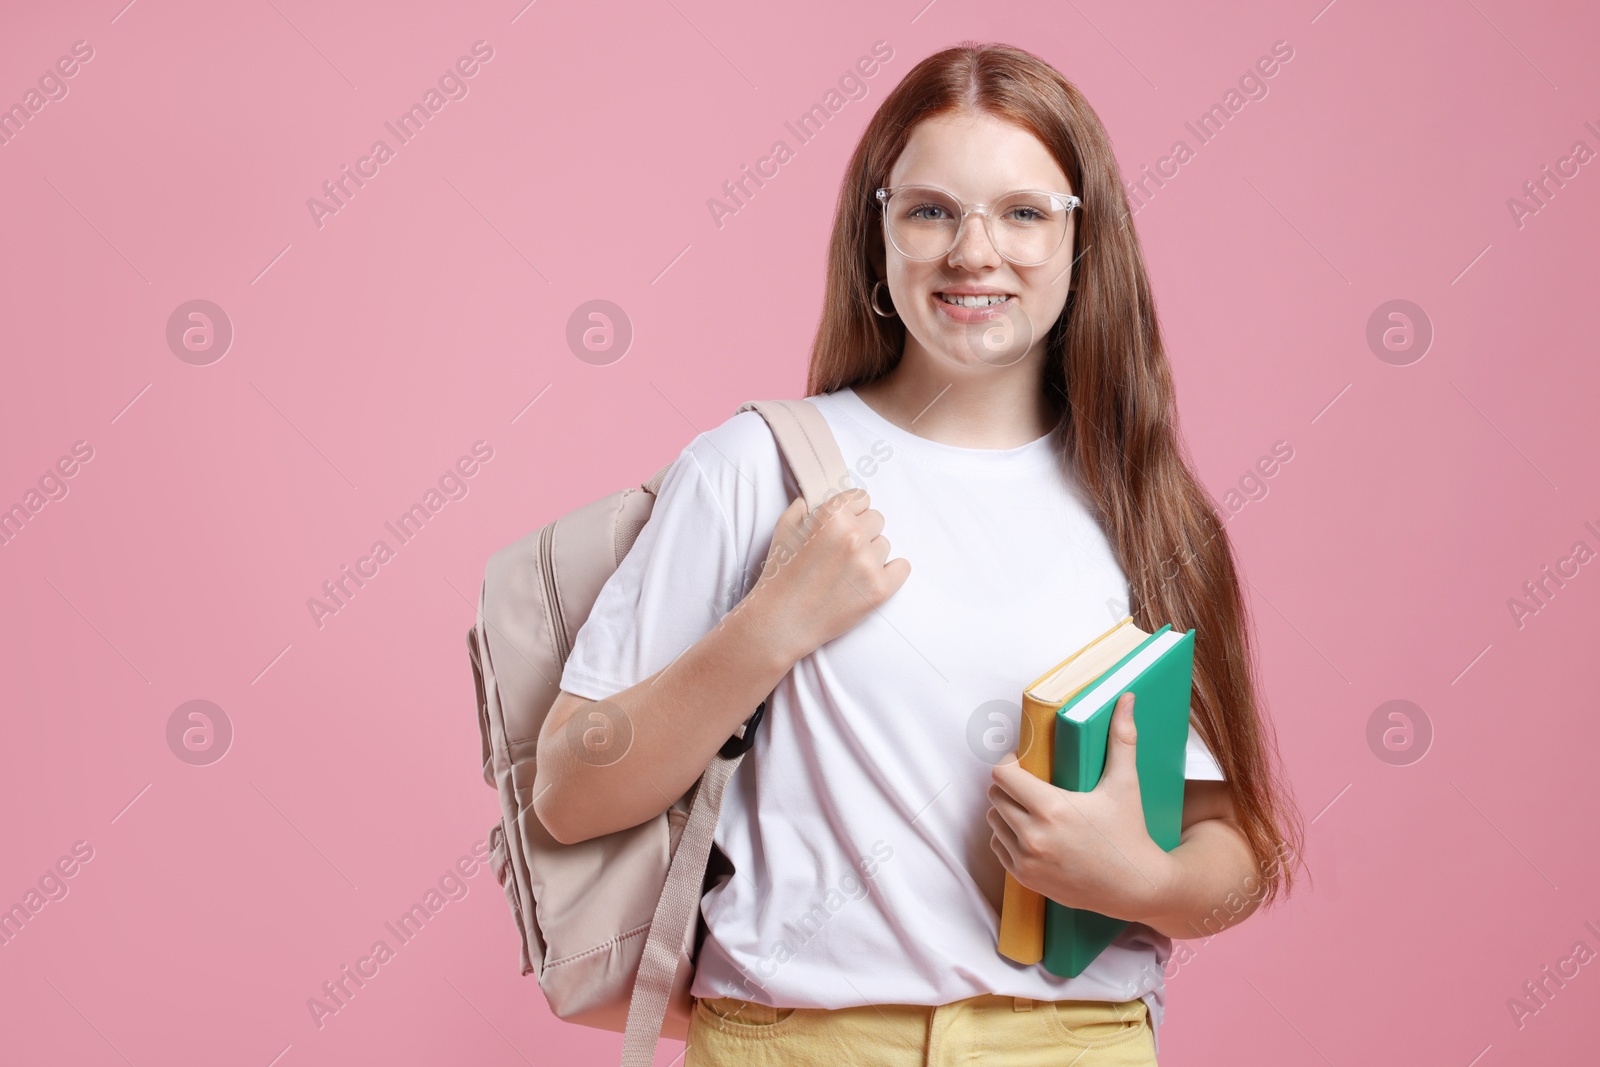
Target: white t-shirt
857	822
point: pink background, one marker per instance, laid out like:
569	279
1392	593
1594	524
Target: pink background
372	352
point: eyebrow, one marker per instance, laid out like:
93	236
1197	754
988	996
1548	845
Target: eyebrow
1044	187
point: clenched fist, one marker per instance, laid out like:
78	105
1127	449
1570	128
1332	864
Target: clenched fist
826	569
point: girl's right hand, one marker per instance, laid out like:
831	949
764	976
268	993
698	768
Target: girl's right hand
825	571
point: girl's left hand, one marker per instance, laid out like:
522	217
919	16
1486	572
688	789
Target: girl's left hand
1084	850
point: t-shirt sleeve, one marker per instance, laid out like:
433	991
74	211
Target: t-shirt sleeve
679	578
1198	762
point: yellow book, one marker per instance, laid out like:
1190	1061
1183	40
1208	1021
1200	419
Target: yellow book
1022	910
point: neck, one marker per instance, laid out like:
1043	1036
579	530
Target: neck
967	406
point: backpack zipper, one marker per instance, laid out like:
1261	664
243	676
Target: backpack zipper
558	627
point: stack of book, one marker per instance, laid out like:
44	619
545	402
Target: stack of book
1066	718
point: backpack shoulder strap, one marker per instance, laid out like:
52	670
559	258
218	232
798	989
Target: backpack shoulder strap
807	444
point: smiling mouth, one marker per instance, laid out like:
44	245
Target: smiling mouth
967	300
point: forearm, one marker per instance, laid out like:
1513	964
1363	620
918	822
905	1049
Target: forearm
1208	883
651	741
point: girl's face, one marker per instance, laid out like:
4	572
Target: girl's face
979	158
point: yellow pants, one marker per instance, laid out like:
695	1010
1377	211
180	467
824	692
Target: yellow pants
996	1031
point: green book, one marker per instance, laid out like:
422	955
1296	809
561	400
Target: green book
1159	673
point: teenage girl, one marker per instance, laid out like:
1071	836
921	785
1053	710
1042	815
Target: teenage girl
990	363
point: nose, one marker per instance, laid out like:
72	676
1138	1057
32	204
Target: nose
973	249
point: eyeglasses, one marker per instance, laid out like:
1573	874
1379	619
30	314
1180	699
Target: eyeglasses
1026	227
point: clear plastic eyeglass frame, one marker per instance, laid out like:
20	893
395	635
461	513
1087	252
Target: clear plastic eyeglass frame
1068	202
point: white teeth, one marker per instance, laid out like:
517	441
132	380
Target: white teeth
973	301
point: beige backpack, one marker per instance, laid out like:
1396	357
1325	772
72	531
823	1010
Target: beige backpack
611	925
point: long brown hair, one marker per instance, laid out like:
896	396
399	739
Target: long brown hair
1107	381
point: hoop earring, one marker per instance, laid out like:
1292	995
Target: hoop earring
873	300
